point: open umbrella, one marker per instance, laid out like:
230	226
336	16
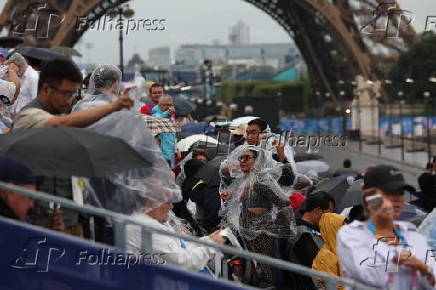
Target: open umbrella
211	149
209	172
299	157
335	187
160	125
241	121
315	165
67	51
42	54
66	152
352	196
183	107
10	41
198	128
217	117
186	144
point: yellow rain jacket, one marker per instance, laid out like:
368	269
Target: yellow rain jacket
327	261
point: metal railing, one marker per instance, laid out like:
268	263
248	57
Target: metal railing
120	221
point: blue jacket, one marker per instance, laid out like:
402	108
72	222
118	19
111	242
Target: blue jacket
167	140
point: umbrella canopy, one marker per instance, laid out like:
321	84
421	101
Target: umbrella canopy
209	172
185	144
217	117
353	196
211	149
241	121
299	157
160	125
66	152
10	41
183	107
335	187
42	54
67	51
315	165
197	128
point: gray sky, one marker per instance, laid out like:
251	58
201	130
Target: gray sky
202	21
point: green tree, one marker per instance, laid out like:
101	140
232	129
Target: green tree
419	64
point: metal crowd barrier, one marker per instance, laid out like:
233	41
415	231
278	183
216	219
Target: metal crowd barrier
120	221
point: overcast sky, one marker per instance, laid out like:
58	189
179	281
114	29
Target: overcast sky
202	21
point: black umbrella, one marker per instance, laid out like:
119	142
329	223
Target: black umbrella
307	156
66	152
335	187
211	149
209	173
10	41
42	54
183	107
353	196
217	117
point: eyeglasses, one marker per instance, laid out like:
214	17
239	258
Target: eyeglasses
67	94
253	133
246	157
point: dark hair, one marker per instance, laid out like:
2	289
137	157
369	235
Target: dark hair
259	122
357	212
155	85
55	71
347	163
319	199
199	152
429	165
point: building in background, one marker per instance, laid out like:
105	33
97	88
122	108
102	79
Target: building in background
278	55
239	34
159	57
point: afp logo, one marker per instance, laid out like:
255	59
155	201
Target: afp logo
388	19
37	254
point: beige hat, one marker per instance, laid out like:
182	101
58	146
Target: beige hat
240	130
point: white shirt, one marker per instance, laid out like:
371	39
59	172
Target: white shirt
29	88
363	259
194	257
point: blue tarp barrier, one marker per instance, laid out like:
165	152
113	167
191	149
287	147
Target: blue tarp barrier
36	259
335	125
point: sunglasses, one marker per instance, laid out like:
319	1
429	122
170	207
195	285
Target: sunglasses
246	157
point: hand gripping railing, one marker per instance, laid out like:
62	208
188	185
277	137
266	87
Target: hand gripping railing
121	220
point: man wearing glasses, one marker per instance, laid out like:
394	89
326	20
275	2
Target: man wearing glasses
58	87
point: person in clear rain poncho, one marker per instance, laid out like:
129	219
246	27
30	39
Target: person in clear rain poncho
255	205
104	87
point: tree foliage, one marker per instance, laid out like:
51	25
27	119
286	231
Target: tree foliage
419	64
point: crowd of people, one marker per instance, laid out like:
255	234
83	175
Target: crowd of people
259	195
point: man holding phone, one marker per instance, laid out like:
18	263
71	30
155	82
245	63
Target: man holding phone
389	182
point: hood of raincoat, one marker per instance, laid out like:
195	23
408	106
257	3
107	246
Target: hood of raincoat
329	226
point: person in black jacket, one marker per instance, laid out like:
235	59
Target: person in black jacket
180	210
309	240
427	183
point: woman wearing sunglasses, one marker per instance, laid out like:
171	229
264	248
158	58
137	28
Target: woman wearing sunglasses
258	209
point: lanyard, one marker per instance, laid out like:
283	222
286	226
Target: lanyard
403	241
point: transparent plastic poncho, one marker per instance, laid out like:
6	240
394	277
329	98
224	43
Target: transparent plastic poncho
128	192
257	205
428	229
105	76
